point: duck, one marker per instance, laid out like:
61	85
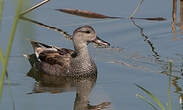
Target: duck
56	61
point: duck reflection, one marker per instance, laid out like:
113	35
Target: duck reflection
55	84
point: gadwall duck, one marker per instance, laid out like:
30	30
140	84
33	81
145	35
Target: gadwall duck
57	61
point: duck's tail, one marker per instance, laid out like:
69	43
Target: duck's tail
36	44
26	56
39	47
32	58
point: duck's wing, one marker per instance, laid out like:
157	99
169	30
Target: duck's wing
52	55
39	47
61	56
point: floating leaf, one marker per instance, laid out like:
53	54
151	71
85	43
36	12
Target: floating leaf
86	14
152	19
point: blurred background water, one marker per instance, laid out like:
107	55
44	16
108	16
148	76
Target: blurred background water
135	58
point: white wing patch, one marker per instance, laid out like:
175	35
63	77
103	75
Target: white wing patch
41	49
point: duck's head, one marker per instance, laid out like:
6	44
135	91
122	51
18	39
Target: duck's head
86	34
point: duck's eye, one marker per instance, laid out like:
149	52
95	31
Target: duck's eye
87	32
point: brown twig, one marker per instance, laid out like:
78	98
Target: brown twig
138	6
146	39
66	35
34	7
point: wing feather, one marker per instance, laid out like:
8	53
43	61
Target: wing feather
52	55
60	57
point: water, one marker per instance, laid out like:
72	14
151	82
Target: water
134	58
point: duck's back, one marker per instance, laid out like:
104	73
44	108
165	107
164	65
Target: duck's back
51	59
55	62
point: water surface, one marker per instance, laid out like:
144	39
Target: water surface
137	57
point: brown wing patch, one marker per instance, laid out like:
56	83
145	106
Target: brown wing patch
61	57
63	51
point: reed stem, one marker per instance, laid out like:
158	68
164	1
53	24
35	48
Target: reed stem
10	42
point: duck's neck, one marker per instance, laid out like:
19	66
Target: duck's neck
82	63
83	58
82	50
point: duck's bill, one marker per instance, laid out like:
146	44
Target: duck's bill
101	43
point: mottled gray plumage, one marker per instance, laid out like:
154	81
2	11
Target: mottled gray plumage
65	62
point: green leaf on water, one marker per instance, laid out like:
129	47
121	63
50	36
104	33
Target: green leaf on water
152	96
